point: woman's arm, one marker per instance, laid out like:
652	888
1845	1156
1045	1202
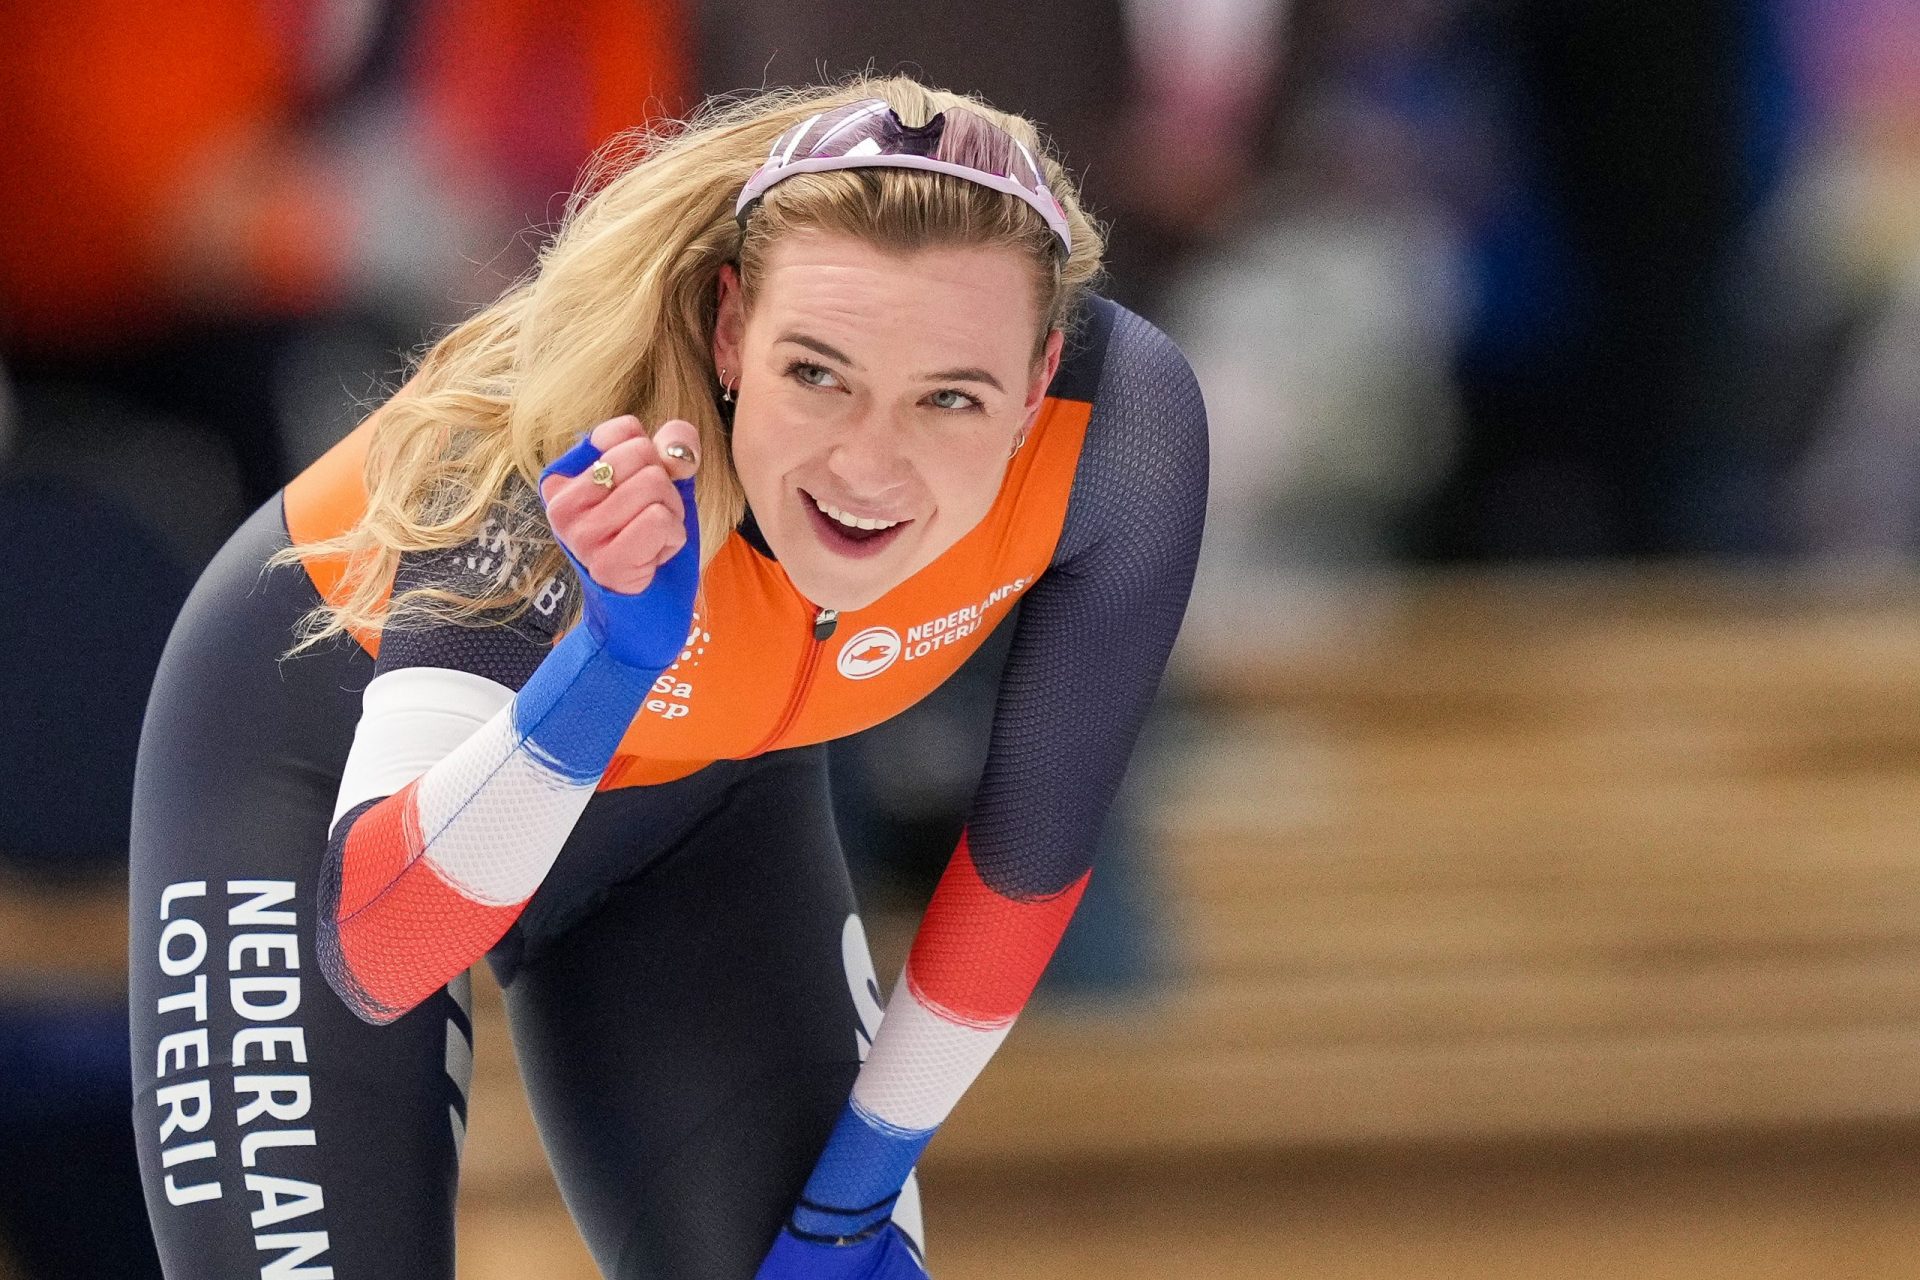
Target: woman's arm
1088	651
459	790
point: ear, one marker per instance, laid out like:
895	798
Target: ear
729	321
1043	370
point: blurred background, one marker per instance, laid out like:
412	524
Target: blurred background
1522	875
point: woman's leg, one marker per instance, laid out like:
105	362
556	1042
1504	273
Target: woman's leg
279	1135
688	1046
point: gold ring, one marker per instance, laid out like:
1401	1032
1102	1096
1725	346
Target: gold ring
601	473
679	452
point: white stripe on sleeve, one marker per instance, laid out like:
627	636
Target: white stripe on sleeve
921	1063
410	720
494	815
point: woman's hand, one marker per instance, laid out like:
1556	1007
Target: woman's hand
885	1255
621	535
633	541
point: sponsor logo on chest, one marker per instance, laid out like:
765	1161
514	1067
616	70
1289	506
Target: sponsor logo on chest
671	697
868	652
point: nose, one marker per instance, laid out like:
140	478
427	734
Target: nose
867	457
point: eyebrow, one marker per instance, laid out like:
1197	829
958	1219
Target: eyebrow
966	375
945	375
815	345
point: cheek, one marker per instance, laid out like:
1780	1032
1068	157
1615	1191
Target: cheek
757	456
966	483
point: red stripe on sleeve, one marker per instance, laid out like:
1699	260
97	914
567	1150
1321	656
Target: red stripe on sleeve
978	954
383	840
405	931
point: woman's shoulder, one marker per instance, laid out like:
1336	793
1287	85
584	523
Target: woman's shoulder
1113	353
497	563
502	540
1147	408
1142	472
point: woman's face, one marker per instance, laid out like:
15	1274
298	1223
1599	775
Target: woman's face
879	397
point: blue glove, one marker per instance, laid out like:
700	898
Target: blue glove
645	630
885	1255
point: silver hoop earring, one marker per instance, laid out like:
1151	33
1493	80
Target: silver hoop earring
1018	445
726	388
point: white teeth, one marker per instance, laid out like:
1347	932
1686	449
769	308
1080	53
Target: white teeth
852	522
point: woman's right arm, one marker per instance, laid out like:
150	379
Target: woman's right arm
479	746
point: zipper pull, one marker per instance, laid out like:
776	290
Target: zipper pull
824	622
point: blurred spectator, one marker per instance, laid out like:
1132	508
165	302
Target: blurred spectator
170	209
1641	139
1322	329
206	209
1840	281
1483	309
1190	143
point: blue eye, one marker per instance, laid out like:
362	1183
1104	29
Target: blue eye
812	375
948	398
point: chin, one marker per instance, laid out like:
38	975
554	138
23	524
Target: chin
842	591
849	575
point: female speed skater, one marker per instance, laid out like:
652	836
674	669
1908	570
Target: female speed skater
538	663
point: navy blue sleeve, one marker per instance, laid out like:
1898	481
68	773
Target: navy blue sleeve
1093	634
502	647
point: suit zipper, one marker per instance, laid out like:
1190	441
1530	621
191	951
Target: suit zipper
824	622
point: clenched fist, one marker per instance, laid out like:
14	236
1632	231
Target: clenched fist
621	507
622	534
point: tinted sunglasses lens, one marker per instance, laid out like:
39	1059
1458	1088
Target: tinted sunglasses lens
956	139
976	143
856	129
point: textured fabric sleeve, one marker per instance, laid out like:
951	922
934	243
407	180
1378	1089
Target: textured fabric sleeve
1088	651
477	748
435	685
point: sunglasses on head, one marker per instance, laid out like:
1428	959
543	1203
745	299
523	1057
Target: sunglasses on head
867	134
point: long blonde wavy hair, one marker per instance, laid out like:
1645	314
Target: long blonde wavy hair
617	317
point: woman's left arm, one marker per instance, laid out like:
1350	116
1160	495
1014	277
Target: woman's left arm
1089	648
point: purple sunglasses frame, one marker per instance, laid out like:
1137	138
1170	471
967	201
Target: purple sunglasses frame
884	129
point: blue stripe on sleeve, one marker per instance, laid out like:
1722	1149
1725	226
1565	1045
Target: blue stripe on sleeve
859	1175
600	697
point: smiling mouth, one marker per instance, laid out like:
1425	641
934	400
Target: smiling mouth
850	535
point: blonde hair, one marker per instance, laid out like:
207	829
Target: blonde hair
617	317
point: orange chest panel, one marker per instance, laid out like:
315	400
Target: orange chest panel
754	675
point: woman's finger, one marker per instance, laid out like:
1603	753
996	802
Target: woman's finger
625	561
615	431
678	443
632	459
626	462
652	538
603	517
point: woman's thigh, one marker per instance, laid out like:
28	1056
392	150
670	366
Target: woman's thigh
278	1134
688	1045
